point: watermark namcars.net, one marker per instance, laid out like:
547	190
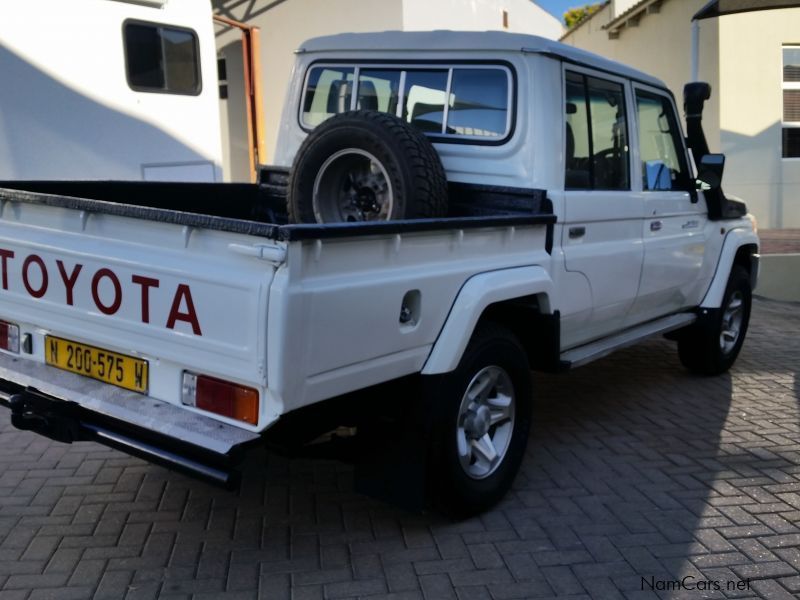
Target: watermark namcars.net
692	583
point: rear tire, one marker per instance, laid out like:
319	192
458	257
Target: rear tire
366	166
710	347
483	409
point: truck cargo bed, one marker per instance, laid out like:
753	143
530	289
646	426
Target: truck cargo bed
260	209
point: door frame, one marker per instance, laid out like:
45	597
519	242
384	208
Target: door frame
254	105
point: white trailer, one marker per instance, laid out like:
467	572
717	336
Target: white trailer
109	89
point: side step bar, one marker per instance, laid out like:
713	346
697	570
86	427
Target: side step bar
594	350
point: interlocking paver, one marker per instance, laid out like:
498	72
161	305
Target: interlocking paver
635	470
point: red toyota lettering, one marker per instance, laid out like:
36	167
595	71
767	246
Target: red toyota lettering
146	283
69	280
175	314
4	256
109	309
34	259
182	308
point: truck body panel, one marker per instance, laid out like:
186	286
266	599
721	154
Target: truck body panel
364	281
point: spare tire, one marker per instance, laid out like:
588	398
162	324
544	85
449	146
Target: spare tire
366	166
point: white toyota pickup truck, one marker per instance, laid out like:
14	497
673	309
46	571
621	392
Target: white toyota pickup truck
449	211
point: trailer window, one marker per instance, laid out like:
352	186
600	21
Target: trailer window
162	59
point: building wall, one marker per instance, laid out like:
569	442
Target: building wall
751	64
620	6
740	55
67	111
524	16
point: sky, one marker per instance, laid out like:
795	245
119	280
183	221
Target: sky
559	7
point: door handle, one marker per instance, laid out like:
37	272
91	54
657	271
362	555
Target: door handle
655	225
576	232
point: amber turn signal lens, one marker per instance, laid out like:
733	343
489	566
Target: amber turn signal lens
220	397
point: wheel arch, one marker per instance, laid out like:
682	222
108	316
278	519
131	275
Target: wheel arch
518	298
740	248
747	257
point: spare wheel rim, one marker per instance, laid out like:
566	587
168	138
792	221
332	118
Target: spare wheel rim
352	185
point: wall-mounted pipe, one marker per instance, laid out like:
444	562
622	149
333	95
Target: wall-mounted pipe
695	51
254	110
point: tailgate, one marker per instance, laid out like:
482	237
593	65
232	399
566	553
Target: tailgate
181	298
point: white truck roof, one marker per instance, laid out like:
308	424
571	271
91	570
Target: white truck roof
467	41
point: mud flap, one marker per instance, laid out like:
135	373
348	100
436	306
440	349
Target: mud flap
390	449
394	470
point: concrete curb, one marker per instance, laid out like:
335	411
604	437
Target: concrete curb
779	277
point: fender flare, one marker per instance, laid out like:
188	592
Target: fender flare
734	239
479	292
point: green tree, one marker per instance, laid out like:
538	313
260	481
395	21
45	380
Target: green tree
575	15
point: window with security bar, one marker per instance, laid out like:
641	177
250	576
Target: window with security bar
791	102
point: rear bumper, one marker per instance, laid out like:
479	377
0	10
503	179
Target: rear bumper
62	407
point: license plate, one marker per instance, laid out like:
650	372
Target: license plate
106	366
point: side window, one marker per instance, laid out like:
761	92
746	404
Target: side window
663	166
159	58
328	92
597	152
578	151
791	102
609	134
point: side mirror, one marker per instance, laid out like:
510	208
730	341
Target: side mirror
709	176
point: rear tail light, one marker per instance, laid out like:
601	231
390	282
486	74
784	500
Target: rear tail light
220	397
9	337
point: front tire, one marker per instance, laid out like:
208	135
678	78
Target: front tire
710	347
483	416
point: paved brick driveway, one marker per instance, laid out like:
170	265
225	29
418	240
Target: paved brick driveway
637	474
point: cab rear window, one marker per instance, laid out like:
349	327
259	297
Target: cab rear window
456	102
